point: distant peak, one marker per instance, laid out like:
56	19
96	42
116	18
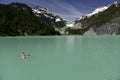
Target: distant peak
117	3
100	9
41	8
96	11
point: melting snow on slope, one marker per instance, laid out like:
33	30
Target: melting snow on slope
70	24
57	19
36	11
97	11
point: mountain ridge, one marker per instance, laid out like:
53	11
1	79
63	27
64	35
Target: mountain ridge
18	19
103	22
49	17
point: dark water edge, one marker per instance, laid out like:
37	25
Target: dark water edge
60	36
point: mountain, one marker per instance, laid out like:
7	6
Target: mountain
18	19
45	15
103	20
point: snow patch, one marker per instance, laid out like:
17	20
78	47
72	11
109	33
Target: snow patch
70	24
82	17
57	20
43	11
96	11
48	16
36	11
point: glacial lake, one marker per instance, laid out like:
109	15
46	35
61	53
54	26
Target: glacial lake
60	58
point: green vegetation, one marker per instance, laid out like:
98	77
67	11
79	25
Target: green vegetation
75	31
17	22
102	18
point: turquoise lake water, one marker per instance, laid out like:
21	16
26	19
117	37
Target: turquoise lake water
60	58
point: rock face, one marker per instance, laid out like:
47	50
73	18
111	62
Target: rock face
78	26
117	3
105	21
106	29
90	32
109	28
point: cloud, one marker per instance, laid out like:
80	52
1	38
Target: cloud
68	11
65	10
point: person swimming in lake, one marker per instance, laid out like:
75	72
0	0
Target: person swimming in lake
24	55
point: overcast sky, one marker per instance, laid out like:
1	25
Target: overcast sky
67	9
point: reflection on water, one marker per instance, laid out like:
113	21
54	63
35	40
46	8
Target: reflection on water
60	58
